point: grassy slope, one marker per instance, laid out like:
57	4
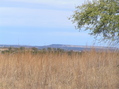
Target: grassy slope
91	70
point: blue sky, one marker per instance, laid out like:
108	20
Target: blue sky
40	22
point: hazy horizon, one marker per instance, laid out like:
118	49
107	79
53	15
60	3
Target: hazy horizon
38	22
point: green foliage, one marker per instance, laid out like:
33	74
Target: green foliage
22	48
100	17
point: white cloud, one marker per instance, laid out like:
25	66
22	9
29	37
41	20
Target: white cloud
61	2
34	17
53	17
69	4
68	34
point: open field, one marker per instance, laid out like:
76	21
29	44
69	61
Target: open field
89	70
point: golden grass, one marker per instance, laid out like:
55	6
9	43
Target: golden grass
90	70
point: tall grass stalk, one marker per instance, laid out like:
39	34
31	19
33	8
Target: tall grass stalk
89	70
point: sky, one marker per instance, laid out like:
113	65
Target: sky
41	22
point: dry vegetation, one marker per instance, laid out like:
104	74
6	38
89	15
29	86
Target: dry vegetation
89	70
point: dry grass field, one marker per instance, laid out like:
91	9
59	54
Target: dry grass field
89	70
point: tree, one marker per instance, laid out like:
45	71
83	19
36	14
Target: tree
22	48
100	17
35	50
10	49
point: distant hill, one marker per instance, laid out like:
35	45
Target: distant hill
65	47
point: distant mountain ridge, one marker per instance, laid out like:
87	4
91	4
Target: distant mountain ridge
65	47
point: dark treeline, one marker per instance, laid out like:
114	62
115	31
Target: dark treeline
35	50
